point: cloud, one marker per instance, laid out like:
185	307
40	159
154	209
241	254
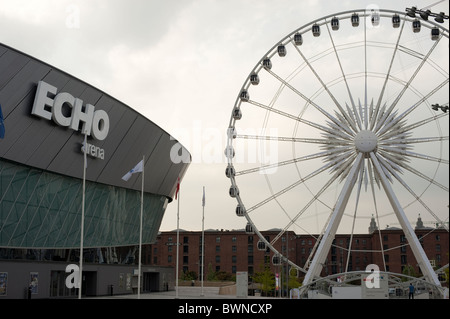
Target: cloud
179	63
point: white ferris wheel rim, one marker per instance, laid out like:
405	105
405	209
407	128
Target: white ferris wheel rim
365	142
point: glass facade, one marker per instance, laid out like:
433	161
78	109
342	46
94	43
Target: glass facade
39	209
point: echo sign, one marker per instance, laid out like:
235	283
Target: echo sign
66	110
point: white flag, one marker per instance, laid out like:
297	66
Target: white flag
137	169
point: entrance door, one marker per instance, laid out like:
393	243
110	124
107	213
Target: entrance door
150	282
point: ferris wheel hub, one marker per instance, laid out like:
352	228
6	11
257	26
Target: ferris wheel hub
366	141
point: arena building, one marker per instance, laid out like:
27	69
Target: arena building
45	116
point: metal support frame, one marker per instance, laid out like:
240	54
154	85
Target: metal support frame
328	237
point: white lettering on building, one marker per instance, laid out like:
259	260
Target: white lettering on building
93	122
93	151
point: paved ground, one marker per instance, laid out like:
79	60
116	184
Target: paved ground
183	293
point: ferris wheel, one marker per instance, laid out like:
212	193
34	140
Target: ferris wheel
341	122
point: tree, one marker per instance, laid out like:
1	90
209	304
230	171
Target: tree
409	271
266	278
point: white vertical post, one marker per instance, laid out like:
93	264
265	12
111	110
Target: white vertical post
203	238
140	228
178	244
80	279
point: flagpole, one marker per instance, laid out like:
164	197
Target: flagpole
203	238
80	278
140	228
178	243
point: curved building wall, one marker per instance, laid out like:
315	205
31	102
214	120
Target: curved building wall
41	161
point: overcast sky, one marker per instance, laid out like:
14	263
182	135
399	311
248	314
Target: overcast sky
180	63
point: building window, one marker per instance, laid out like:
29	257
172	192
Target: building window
217	259
250	248
169	249
217	239
217	249
233	269
385	238
185	260
233	249
250	240
403	259
438	247
402	238
169	259
233	239
438	237
185	239
186	249
250	260
233	259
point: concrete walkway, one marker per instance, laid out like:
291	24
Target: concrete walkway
183	293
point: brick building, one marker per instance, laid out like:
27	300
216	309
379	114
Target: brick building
231	251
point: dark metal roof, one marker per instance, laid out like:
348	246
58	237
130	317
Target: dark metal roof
39	143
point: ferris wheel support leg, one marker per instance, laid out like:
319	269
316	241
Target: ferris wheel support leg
410	235
328	237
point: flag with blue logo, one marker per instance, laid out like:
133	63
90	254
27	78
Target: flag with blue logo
138	168
2	124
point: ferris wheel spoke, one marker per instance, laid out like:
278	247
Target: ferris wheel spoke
303	121
288	188
311	102
358	194
417	197
325	244
341	68
388	73
353	120
413	76
423	176
394	149
372	175
283	163
407	129
301	212
417	249
409	110
294	139
338	105
400	141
